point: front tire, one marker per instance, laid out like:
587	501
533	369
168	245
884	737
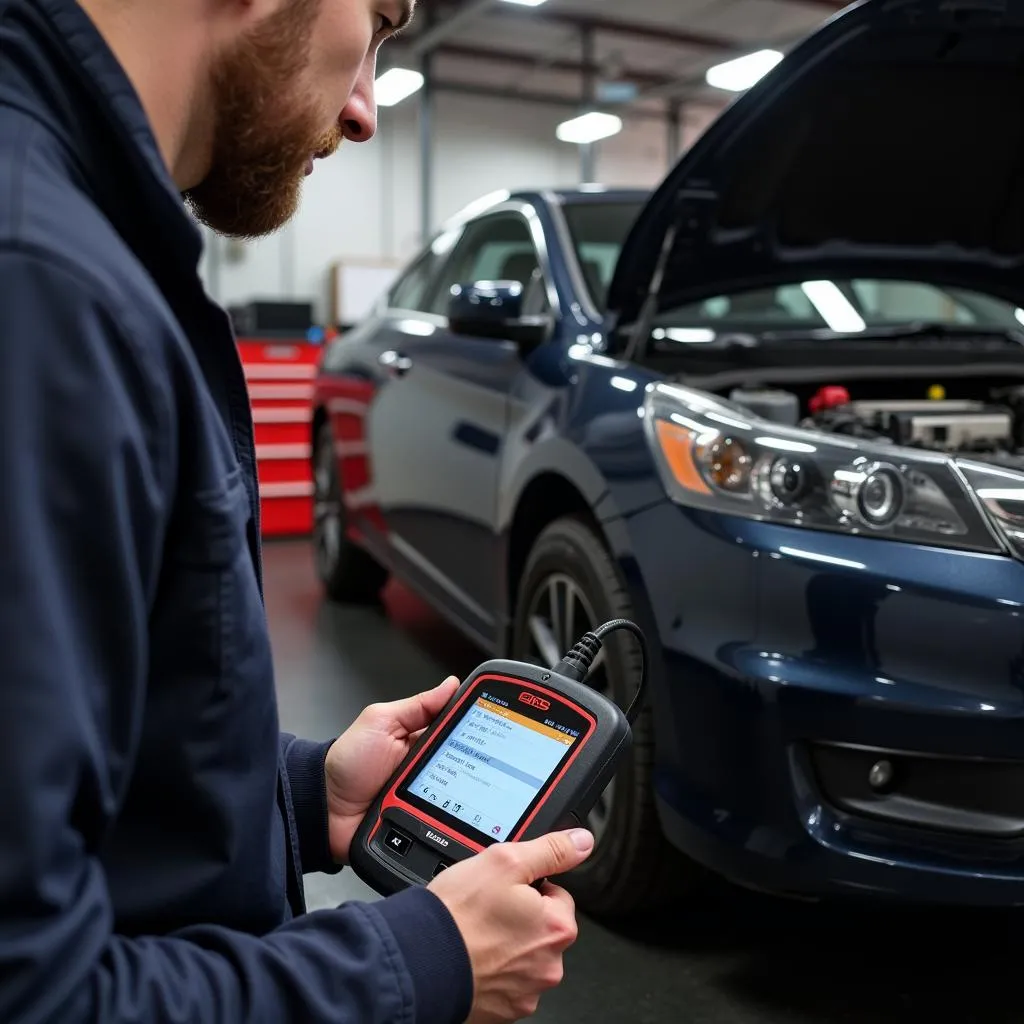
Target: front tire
570	585
349	575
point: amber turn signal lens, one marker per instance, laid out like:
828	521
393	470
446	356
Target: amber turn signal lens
677	446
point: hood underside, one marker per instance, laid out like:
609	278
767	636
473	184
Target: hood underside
890	143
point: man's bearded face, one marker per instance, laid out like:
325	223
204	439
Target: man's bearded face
268	128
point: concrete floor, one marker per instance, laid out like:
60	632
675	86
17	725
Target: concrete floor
735	959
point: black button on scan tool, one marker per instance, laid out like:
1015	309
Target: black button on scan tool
441	865
397	842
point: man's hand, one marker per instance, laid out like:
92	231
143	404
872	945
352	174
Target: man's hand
515	935
362	759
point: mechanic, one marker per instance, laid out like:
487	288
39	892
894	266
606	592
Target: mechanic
154	824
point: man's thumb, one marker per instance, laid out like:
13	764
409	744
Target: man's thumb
553	854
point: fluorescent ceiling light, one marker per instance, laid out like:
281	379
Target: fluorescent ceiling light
396	85
588	128
833	306
1019	314
526	3
743	72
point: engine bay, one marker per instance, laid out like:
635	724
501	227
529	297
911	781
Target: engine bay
987	425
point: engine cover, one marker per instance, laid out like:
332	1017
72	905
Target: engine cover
987	431
940	425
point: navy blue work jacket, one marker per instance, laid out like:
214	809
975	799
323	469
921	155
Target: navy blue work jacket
154	823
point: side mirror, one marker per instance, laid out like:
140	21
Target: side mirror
494	309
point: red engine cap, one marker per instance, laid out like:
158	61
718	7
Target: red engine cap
829	397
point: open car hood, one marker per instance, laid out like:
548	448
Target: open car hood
889	143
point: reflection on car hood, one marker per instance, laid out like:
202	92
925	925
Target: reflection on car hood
888	143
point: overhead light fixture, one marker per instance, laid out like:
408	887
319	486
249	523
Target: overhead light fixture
742	72
396	85
589	128
526	3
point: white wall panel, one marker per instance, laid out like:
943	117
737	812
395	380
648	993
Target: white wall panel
637	156
482	146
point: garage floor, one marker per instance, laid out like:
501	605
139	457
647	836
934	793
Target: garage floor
735	959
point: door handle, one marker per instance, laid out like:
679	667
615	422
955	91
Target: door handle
397	364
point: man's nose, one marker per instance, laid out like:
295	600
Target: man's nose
359	117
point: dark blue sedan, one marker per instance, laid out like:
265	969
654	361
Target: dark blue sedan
773	412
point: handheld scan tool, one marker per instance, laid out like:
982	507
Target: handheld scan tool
518	751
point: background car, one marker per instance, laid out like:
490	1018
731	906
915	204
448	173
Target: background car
778	424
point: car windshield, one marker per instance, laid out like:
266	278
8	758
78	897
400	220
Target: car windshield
599	231
841	306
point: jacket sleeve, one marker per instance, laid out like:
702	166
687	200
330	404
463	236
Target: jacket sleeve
87	460
304	762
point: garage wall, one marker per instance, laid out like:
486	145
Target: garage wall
363	203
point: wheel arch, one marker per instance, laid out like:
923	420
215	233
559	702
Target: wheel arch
557	481
546	498
561	481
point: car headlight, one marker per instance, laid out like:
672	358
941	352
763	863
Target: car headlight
1001	492
714	455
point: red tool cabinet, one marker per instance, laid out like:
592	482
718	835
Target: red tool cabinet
280	380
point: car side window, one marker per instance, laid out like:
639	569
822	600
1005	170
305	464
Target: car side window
498	247
409	291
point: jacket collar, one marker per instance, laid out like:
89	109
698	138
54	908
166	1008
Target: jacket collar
96	93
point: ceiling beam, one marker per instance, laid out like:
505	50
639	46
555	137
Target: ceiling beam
570	103
636	30
652	86
432	36
521	58
648	31
689	83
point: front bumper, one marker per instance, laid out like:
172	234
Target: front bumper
786	653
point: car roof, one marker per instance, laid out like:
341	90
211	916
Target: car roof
587	194
576	195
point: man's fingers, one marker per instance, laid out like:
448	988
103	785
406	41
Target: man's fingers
415	713
558	895
434	700
553	854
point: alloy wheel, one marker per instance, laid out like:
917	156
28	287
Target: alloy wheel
559	613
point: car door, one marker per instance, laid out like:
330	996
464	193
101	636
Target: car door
436	431
355	373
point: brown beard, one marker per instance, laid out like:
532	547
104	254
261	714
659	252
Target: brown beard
265	129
